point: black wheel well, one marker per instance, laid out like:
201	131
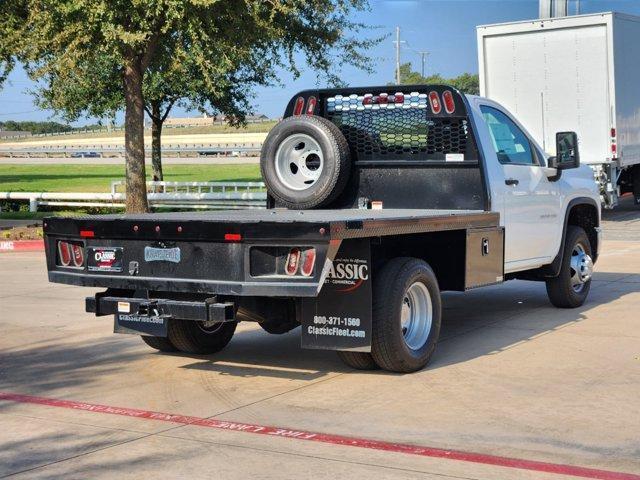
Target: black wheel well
586	216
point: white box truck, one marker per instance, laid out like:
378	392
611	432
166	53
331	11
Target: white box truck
579	73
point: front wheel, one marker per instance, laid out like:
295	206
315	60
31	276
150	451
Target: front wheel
571	287
407	313
190	336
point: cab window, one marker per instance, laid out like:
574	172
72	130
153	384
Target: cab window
510	143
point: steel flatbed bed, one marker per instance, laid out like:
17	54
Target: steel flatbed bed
273	223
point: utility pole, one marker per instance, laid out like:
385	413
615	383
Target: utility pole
398	42
423	56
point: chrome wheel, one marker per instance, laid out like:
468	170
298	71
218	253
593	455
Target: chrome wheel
299	161
581	267
416	316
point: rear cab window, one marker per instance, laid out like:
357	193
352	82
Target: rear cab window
511	144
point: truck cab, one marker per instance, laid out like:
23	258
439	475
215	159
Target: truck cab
530	195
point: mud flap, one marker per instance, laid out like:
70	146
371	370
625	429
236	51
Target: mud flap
154	325
339	318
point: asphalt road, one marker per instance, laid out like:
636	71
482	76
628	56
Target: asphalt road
512	377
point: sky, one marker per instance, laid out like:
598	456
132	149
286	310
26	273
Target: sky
444	28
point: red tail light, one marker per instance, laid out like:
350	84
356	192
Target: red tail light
293	261
308	262
383	99
613	132
614	148
311	105
64	254
297	110
233	237
70	254
399	97
78	255
434	100
449	104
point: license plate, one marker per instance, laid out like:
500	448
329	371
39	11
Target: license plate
104	259
152	254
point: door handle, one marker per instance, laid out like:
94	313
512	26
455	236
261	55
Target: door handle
512	181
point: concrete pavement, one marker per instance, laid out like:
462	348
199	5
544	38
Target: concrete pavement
512	376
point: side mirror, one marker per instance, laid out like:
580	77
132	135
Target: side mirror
567	155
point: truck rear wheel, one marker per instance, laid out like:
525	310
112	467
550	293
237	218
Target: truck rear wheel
161	344
571	287
359	360
190	336
305	162
635	178
407	314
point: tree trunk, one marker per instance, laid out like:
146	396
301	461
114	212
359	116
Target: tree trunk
156	146
134	139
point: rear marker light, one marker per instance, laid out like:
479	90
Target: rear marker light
449	104
64	253
613	132
293	260
87	233
614	148
78	255
308	262
434	100
297	110
232	237
311	105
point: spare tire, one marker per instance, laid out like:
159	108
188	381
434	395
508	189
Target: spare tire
305	162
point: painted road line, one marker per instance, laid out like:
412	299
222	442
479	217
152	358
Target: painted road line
21	245
424	451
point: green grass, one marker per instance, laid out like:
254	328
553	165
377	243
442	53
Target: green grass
98	178
250	128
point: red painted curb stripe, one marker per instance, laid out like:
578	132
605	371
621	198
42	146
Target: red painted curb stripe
21	245
330	439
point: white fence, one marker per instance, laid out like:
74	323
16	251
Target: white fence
171	150
172	195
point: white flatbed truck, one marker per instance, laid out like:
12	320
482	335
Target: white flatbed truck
578	73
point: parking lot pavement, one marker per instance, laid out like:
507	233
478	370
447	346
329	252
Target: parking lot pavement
512	377
623	222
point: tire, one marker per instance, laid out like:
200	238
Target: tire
161	344
278	328
560	289
315	176
359	360
190	336
404	287
635	178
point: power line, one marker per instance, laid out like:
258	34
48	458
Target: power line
19	113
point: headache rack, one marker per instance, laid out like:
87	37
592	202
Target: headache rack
398	124
412	146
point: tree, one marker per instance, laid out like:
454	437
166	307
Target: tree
70	39
466	83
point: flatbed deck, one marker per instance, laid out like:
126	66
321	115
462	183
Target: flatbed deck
280	223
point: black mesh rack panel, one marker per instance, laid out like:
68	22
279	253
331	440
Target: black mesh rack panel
406	130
